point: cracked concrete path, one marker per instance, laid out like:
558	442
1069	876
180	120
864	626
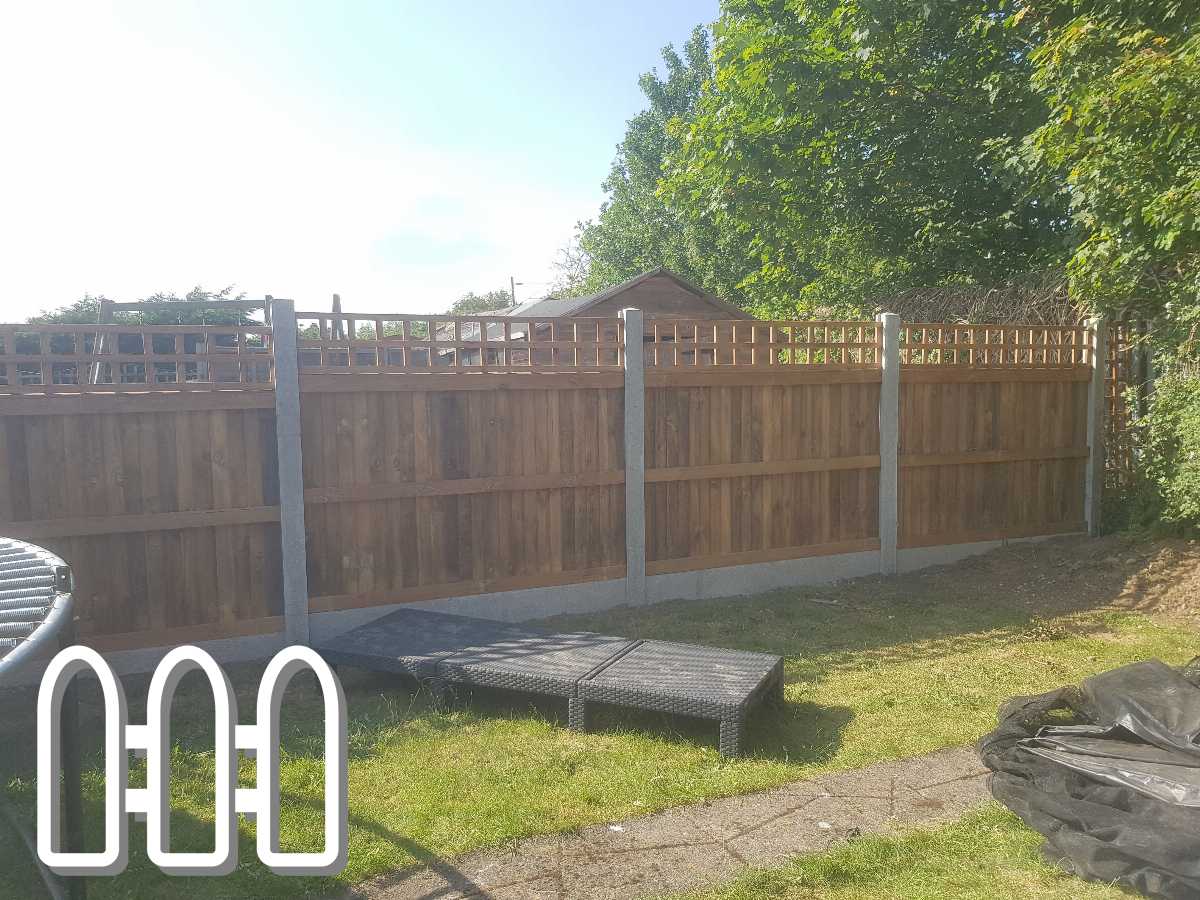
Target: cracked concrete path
706	843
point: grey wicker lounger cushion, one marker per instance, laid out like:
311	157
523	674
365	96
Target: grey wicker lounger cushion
413	641
583	667
544	664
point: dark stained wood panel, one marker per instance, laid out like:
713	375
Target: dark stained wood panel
516	517
189	497
1040	425
830	431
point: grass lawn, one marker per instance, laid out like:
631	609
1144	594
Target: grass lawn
986	854
898	667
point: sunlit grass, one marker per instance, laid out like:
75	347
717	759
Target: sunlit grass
866	682
987	854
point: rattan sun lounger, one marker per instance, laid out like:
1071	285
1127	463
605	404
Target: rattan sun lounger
444	650
689	680
551	664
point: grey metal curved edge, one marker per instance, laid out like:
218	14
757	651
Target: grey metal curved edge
35	610
35	602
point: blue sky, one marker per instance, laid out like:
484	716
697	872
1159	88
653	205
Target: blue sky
398	153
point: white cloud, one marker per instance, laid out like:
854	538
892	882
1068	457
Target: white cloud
128	167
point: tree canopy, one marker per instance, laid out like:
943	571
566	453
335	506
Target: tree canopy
637	229
827	154
86	310
853	145
1123	83
472	304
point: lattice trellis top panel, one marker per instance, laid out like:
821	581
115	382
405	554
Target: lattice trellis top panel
44	359
1119	460
673	343
108	358
349	342
995	346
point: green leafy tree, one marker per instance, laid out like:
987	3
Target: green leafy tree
860	149
472	304
1123	83
1167	488
832	153
637	229
86	310
572	268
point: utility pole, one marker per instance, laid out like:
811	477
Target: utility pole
336	308
512	290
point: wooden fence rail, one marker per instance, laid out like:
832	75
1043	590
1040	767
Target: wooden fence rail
449	456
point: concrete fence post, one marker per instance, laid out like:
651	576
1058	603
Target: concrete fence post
889	441
1097	401
291	471
635	459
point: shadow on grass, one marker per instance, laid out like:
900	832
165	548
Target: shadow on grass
1015	592
192	833
795	732
456	880
820	630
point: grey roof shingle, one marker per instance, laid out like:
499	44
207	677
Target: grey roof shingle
550	307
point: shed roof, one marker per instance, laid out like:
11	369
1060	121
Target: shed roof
551	307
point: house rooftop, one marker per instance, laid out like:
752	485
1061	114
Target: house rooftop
551	307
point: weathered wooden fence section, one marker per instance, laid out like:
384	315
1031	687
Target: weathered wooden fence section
993	432
773	457
456	484
449	457
155	482
445	457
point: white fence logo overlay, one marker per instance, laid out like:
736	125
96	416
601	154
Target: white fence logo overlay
260	739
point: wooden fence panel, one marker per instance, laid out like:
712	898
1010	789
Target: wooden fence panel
449	456
414	493
169	518
742	472
989	459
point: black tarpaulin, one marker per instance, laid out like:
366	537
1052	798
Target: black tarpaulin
1109	773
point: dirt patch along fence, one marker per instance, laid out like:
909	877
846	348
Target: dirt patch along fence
440	457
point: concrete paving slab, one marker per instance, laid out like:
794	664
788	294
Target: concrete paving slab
698	824
689	846
651	871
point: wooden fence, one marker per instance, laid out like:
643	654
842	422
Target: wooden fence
449	456
993	432
1129	379
762	442
145	456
